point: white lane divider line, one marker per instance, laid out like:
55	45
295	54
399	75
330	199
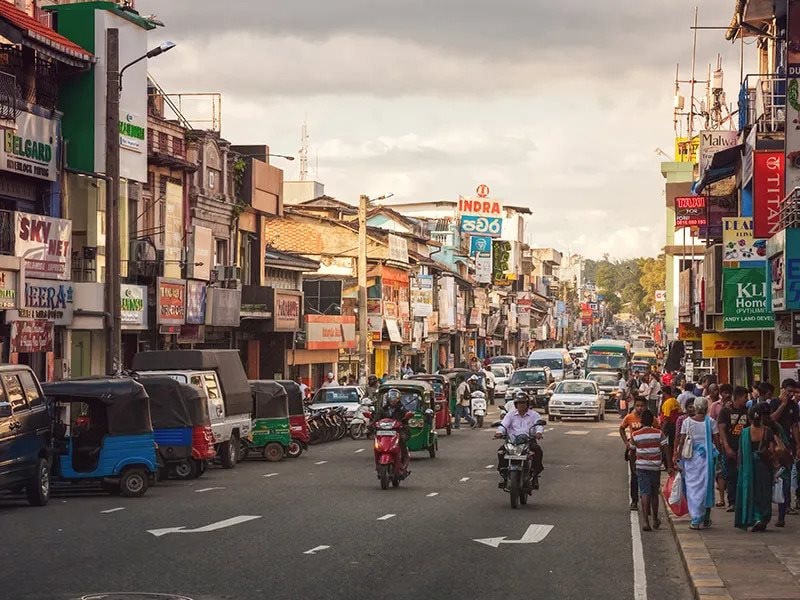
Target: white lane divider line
112	510
577	432
359	450
613	434
639	573
550	429
488	467
270	475
321	462
463	479
386	517
208	489
432	494
316	549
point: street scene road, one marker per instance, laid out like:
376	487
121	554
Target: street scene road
322	528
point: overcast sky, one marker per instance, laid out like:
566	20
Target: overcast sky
558	106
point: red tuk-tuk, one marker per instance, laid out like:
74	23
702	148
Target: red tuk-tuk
298	426
441	396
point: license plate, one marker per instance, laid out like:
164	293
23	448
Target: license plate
514	458
385	433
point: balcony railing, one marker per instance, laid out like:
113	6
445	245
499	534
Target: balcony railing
159	142
7	232
36	81
8	98
762	103
789	214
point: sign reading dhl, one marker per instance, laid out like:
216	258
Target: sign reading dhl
734	344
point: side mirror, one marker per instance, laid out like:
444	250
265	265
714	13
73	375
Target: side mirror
541	423
5	410
428	411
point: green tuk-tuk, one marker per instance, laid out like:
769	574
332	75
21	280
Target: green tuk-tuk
456	377
417	397
270	433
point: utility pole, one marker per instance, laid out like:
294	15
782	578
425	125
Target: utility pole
363	333
112	289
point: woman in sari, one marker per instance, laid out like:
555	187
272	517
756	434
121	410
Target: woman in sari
754	487
701	432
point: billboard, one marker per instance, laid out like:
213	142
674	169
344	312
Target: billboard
738	244
746	302
768	173
690	211
712	142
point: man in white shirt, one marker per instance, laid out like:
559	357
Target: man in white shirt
653	394
303	388
491	382
685	395
330	381
520	422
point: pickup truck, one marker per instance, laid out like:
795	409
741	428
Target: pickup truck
221	377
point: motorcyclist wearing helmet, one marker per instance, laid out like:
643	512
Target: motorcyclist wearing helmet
372	387
520	422
392	408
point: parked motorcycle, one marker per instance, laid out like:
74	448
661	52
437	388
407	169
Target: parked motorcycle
360	421
478	406
519	466
389	463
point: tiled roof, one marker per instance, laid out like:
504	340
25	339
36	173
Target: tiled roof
39	32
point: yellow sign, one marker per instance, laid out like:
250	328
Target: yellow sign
689	333
733	344
686	151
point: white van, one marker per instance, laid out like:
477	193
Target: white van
557	360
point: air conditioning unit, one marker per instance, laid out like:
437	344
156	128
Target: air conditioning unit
231	273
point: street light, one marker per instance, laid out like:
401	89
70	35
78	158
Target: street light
160	49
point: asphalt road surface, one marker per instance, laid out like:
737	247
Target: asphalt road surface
320	527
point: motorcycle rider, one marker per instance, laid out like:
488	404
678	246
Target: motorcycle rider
372	387
392	408
520	422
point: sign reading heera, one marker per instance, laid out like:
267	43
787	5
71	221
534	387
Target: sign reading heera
44	300
44	245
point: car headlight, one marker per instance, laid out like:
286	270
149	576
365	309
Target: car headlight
590	403
555	402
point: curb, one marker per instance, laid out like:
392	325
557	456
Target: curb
700	567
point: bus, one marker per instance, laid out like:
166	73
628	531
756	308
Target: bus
608	355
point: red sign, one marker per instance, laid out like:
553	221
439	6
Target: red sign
171	301
482	191
586	313
690	211
768	173
31	336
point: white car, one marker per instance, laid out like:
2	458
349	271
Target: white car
348	396
577	398
502	372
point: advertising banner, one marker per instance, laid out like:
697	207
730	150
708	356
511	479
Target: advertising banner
171	301
196	292
44	244
717	208
483	268
746	302
330	332
690	211
287	310
734	344
501	261
31	336
44	300
398	248
480	207
783	330
422	295
483	226
479	244
689	333
447	303
134	306
173	230
792	135
31	149
200	254
8	289
768	172
684	293
713	141
738	244
686	150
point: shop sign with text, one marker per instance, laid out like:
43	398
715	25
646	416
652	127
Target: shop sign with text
133	299
329	332
196	302
422	295
171	302
44	300
746	302
734	344
712	142
690	211
31	336
768	171
8	289
738	243
31	148
287	310
44	245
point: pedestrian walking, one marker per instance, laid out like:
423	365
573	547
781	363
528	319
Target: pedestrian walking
623	396
463	406
683	397
786	415
701	435
652	449
631	423
670	411
732	422
754	486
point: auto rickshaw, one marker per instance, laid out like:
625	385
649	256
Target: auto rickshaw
639	367
270	432
456	377
181	426
102	433
416	397
297	418
441	396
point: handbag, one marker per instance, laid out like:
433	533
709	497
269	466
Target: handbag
674	489
688	446
777	492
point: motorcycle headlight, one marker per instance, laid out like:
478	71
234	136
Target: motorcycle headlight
416	422
514	449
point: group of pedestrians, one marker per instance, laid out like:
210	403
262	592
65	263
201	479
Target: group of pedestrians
735	448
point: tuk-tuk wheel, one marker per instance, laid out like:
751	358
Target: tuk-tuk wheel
186	469
432	450
295	449
133	483
201	466
273	452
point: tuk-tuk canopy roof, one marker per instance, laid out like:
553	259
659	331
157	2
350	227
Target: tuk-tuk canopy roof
226	363
430	377
295	395
270	400
126	403
401	384
175	404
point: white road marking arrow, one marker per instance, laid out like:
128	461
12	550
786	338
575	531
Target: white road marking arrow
432	494
321	462
533	535
206	528
316	549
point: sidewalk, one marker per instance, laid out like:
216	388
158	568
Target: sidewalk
725	563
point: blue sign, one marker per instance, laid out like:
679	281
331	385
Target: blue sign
488	226
480	244
791	257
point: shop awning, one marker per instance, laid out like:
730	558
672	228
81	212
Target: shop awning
393	330
723	164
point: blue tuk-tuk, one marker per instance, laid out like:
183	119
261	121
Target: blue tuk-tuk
102	433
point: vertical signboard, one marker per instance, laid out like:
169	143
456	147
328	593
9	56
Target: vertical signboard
173	230
768	173
792	146
171	301
422	295
44	244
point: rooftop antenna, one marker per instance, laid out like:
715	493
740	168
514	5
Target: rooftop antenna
303	152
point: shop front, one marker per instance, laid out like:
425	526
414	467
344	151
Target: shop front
330	346
270	320
170	311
